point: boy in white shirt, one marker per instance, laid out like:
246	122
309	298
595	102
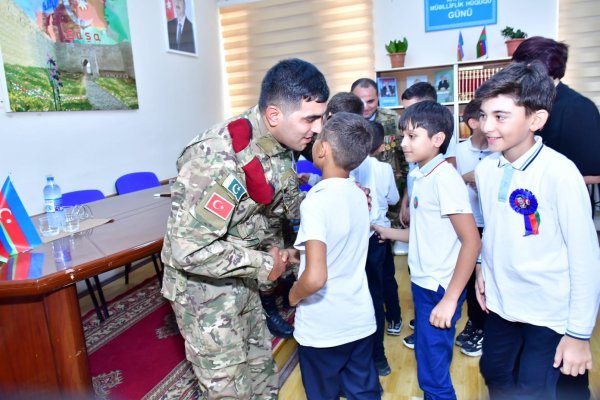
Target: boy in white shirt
335	320
443	247
378	176
469	153
540	273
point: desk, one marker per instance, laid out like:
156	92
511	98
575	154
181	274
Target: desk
42	347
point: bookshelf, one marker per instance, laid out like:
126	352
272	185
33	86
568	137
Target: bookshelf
455	83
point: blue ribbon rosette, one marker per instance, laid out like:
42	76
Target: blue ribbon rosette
525	203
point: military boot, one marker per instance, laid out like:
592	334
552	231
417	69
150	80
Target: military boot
277	325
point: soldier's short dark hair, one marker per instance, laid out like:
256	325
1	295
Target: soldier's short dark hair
345	101
350	138
420	91
364	83
377	135
431	116
529	85
289	82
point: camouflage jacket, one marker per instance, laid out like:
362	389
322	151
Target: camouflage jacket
392	154
215	230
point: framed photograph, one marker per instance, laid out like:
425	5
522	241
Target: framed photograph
66	56
388	92
180	19
411	80
444	86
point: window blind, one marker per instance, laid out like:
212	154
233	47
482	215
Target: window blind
579	27
336	36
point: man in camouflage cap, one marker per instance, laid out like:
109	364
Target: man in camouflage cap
366	89
234	180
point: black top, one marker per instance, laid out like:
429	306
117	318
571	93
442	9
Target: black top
573	129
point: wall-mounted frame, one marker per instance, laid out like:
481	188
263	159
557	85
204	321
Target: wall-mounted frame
452	14
67	56
180	18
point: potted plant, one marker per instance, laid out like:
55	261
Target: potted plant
513	39
397	51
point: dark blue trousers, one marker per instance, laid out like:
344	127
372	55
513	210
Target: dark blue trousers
348	368
374	269
390	286
517	360
433	346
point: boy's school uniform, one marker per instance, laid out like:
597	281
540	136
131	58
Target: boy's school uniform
467	158
379	177
438	191
335	212
540	256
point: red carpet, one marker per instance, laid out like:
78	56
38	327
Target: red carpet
138	352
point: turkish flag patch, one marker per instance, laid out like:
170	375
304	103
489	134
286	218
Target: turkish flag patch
219	206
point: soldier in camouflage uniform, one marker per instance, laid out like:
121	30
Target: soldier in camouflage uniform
366	89
234	180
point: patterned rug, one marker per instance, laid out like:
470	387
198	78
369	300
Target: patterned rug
138	352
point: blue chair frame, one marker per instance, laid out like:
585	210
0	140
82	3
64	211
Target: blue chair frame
78	197
133	182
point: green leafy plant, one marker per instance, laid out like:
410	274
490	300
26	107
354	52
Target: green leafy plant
397	46
511	33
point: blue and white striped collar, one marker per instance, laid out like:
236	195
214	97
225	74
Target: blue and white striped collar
526	159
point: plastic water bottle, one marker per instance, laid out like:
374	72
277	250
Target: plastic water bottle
53	202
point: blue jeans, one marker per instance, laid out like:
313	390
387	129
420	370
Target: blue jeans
517	360
433	346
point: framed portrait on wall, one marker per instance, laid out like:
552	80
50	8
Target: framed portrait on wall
180	19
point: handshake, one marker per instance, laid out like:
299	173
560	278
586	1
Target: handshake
282	259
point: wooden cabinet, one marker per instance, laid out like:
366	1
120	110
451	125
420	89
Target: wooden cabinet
455	84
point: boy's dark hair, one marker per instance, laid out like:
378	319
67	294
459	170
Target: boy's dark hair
377	135
420	91
345	101
364	83
350	138
472	111
551	53
431	116
527	84
289	82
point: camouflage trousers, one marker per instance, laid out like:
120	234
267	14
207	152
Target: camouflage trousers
227	340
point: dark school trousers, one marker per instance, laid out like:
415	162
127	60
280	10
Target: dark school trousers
517	360
474	311
433	346
374	269
390	286
348	367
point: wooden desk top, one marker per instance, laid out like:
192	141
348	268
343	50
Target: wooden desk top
137	231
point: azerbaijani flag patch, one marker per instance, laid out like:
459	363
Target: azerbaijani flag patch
219	206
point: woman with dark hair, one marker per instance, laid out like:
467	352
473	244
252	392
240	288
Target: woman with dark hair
573	129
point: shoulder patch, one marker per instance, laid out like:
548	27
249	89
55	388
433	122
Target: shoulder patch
234	186
219	206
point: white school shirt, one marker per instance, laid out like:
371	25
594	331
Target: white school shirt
467	158
335	212
379	178
438	191
552	278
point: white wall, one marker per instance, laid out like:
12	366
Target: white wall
178	96
394	19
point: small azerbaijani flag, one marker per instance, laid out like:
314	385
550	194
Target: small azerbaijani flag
17	233
482	44
459	51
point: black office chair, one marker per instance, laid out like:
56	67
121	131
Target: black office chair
132	183
75	198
